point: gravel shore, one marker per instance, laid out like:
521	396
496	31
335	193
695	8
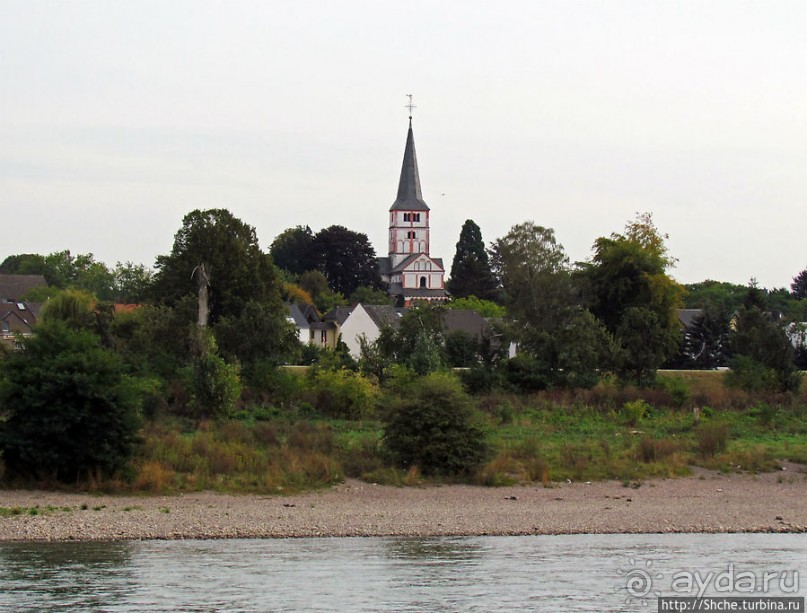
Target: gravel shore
704	502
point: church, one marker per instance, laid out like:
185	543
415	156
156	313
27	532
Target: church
409	270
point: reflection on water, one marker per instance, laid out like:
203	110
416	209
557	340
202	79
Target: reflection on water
542	573
76	576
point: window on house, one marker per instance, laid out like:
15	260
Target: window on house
323	337
423	282
415	216
407	216
411	234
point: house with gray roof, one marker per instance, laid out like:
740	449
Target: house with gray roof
311	328
14	287
17	318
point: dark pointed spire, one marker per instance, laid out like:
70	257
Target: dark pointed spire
409	195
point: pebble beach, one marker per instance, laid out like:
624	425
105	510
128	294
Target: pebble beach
704	502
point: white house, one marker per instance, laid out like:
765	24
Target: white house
367	321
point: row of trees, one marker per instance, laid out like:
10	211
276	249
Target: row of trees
211	326
615	312
126	282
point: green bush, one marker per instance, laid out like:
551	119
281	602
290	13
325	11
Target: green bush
765	412
750	375
525	374
431	426
342	394
215	385
634	411
71	412
678	389
278	385
478	379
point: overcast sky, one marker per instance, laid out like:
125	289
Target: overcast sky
119	117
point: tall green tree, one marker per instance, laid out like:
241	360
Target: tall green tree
132	282
486	308
70	411
535	275
471	274
347	259
715	296
627	287
537	289
316	285
799	285
762	355
228	248
293	250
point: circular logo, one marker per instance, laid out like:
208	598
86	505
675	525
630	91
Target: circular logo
638	582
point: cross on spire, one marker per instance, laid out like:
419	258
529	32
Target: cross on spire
410	106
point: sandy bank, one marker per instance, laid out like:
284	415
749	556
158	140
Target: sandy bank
706	502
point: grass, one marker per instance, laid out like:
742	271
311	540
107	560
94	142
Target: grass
580	435
609	432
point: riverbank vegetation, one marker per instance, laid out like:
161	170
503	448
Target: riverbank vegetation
608	432
192	388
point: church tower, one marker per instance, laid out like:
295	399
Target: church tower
412	274
409	214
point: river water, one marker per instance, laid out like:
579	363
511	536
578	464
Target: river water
539	573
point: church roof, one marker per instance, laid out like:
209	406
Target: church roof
408	262
409	196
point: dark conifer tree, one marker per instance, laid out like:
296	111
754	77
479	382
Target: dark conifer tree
470	271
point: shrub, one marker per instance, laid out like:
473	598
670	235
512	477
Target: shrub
342	394
634	411
153	477
765	412
281	386
71	412
432	427
479	379
577	457
654	450
525	374
678	389
712	438
215	385
750	375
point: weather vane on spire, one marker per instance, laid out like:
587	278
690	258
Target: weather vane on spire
410	106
